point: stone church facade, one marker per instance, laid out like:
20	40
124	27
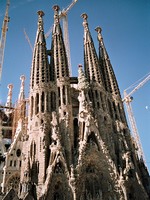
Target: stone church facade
74	143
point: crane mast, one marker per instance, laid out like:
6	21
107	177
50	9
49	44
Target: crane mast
63	15
133	126
28	40
64	11
128	99
66	40
3	37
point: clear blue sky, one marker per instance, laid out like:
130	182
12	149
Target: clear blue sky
126	33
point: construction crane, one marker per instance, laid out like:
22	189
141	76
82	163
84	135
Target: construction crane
128	99
63	15
28	40
3	37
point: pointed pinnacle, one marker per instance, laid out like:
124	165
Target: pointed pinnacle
21	94
56	15
9	96
80	65
40	13
98	29
99	36
82	80
56	8
22	78
40	20
10	87
84	16
85	22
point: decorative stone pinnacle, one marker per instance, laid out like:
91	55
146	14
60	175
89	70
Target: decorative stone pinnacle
98	29
22	78
40	13
84	16
56	15
56	8
85	22
10	86
99	36
82	81
9	97
40	20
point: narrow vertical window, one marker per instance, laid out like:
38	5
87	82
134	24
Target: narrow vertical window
64	95
47	101
68	95
32	105
115	110
59	95
42	102
15	163
110	109
34	150
53	101
10	163
76	132
37	104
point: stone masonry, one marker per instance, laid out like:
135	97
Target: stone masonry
74	142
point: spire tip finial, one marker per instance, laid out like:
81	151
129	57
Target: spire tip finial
40	13
10	86
84	16
99	36
22	77
80	65
56	8
98	29
85	22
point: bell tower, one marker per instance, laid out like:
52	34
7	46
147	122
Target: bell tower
36	146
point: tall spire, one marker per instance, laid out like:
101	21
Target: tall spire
9	97
40	72
108	73
59	63
91	61
21	94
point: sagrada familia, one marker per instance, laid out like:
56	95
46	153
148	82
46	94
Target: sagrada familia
70	137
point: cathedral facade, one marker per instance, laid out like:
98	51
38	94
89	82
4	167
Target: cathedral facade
74	142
